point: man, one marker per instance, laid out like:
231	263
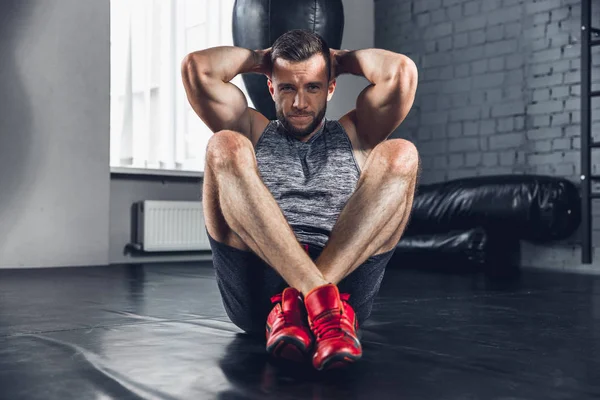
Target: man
303	213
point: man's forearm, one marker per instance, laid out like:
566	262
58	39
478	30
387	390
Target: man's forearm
226	62
376	65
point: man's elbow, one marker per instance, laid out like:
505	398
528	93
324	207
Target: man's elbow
193	71
188	69
406	76
407	72
402	73
409	68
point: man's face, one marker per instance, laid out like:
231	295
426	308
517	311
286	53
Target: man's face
301	91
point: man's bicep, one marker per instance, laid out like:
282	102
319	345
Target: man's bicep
381	108
220	105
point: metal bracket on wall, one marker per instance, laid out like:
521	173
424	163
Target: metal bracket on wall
587	142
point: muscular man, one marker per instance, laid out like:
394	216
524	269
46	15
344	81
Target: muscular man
302	212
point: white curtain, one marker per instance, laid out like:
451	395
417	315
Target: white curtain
152	123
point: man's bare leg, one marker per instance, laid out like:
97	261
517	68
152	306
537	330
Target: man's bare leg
241	212
376	215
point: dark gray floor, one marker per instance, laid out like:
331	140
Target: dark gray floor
160	332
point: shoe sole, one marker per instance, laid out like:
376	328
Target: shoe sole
338	361
288	348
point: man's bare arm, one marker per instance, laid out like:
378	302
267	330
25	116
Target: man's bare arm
382	106
207	76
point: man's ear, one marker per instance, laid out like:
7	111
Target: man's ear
331	89
271	88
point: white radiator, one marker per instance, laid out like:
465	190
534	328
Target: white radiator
171	226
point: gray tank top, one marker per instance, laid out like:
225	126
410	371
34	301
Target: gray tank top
310	181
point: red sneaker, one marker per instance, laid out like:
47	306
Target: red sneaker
334	325
288	335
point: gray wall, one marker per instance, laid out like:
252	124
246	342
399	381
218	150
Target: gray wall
498	90
498	93
54	124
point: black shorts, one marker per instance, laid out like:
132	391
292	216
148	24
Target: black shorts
247	283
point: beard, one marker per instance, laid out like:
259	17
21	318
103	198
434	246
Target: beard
303	132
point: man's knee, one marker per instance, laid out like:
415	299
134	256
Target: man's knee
399	157
227	150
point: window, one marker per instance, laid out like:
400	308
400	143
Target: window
152	124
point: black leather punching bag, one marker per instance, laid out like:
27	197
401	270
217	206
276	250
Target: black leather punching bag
258	23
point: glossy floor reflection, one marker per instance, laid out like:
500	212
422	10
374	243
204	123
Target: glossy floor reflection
160	332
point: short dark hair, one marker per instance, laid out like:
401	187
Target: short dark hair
300	45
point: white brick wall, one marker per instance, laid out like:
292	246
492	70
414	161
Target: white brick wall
499	85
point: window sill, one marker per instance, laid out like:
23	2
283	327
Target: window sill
126	172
